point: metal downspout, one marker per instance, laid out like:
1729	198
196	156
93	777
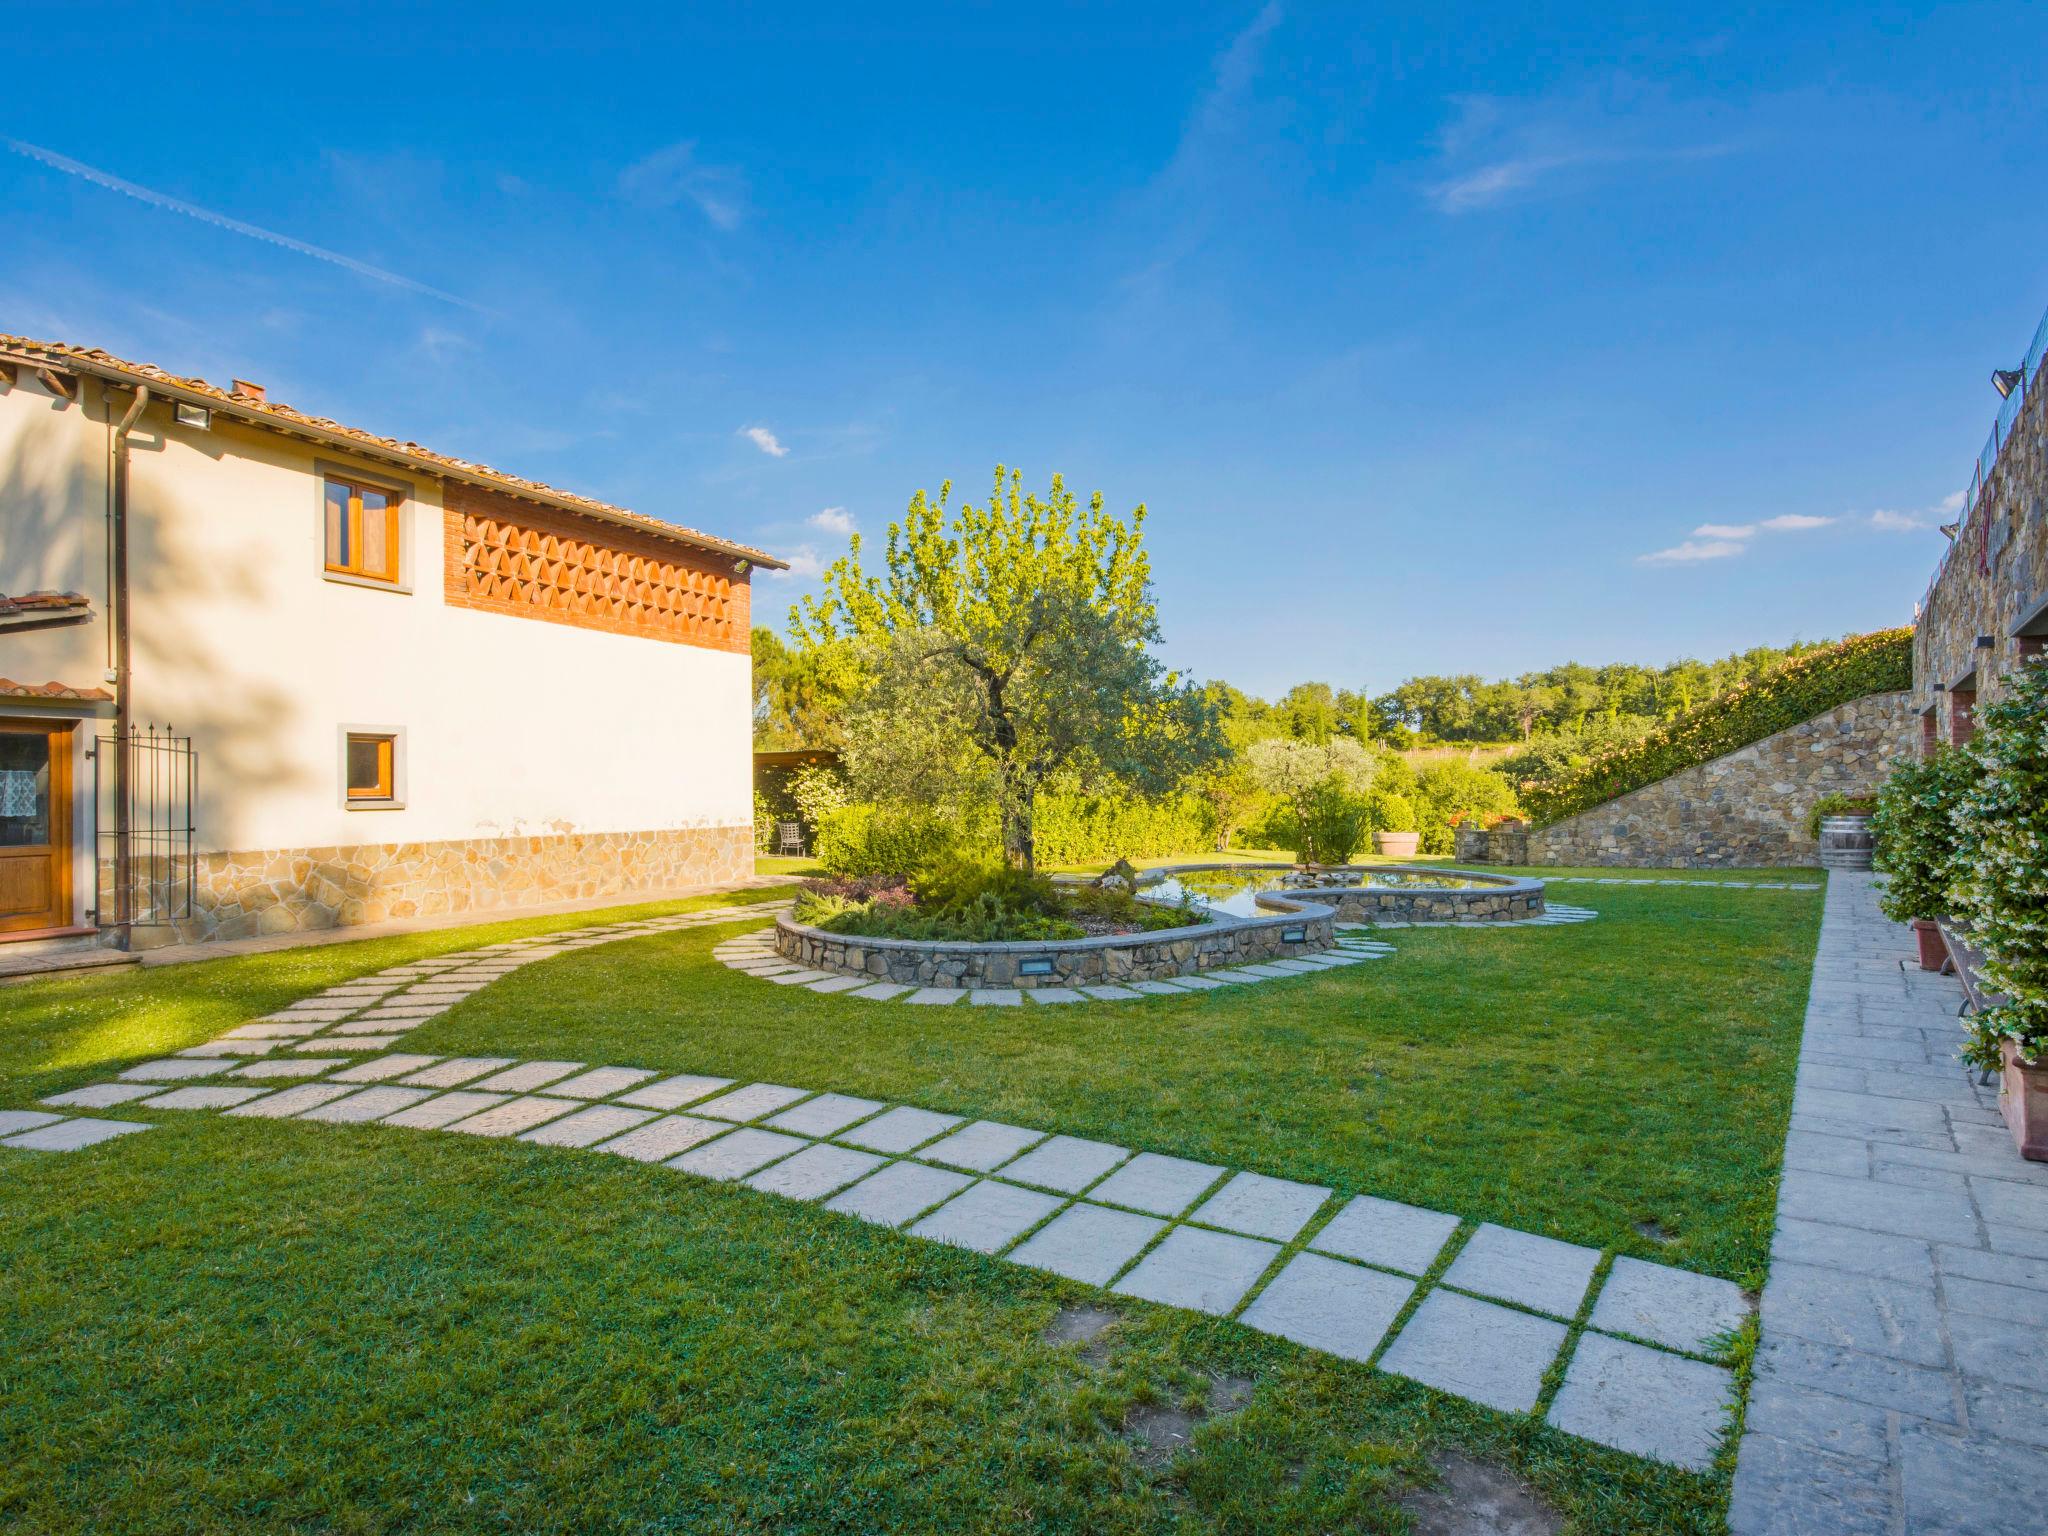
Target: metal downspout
117	481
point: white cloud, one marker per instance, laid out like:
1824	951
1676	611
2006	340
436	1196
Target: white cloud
1898	522
1724	530
675	175
833	520
1693	550
805	564
765	440
1794	522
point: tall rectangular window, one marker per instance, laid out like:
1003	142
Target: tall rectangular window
362	528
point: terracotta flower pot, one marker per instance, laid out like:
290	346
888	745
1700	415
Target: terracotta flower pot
1933	952
2023	1100
1399	845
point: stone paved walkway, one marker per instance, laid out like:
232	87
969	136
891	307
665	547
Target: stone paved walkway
1483	1312
1901	1383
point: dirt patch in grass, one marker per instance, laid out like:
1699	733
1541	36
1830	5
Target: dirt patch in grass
1161	1431
1478	1498
1085	1326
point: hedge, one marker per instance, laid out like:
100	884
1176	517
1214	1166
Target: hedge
1069	827
1806	686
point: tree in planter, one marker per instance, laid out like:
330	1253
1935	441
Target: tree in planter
1002	645
2001	882
1916	835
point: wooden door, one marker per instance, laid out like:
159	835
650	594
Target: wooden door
35	825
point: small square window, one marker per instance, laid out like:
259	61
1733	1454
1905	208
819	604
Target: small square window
363	528
372	768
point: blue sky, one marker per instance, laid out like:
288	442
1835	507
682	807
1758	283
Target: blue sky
1437	339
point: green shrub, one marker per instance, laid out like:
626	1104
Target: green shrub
1916	835
1806	686
2002	878
1838	805
1325	823
1451	792
886	840
1393	813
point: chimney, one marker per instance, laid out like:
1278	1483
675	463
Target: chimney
254	392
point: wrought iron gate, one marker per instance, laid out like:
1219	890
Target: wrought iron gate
143	788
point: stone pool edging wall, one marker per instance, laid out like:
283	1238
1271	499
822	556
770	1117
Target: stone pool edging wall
1499	899
1155	956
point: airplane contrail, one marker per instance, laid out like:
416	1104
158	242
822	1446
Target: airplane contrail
162	200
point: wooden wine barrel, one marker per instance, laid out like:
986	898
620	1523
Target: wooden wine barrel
1845	842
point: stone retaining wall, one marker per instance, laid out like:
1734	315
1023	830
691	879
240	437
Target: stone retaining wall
1510	901
1747	809
1073	962
288	890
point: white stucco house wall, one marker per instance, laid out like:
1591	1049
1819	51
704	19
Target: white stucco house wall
362	680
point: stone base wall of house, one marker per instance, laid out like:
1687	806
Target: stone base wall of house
290	890
1068	962
1748	809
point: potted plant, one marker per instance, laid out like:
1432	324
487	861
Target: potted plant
1916	842
1396	830
2001	891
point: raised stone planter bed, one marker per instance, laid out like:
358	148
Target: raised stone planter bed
1484	899
1296	927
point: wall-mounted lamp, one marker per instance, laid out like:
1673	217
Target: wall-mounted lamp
197	416
741	567
1950	530
2005	381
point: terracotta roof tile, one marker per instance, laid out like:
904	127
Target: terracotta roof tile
10	689
259	409
42	602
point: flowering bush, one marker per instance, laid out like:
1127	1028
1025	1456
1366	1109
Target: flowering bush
1806	686
1916	835
2002	880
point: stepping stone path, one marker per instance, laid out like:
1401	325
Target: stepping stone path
1365	1279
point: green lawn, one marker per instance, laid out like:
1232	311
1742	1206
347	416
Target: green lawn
228	1325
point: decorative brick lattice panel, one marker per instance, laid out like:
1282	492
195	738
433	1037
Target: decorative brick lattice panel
505	557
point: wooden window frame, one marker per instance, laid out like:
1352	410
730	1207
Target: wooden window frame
389	795
398	576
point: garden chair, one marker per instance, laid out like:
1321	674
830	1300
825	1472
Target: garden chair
789	838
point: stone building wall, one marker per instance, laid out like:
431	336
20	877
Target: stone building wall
1744	810
286	890
1992	582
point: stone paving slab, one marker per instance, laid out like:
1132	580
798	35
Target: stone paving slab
995	997
202	1097
1262	1206
1341	1309
528	1076
367	1104
1154	988
815	1172
798	978
456	1071
15	1121
216	1048
1110	994
826	1115
291	1101
100	1095
751	1102
659	1140
983	1146
1065	1163
895	1194
350	1043
1645	1402
1161	1185
1202	1271
601	1082
1090	1243
589	1126
900	1129
880	991
382	1068
445	1109
674	1092
513	1116
737	1155
1672	1307
171	1069
1386	1233
986	1217
937	997
1474	1349
272	1030
289	1066
1523	1267
73	1135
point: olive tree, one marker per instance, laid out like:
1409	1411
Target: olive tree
1006	643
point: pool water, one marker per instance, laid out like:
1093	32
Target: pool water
1235	891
